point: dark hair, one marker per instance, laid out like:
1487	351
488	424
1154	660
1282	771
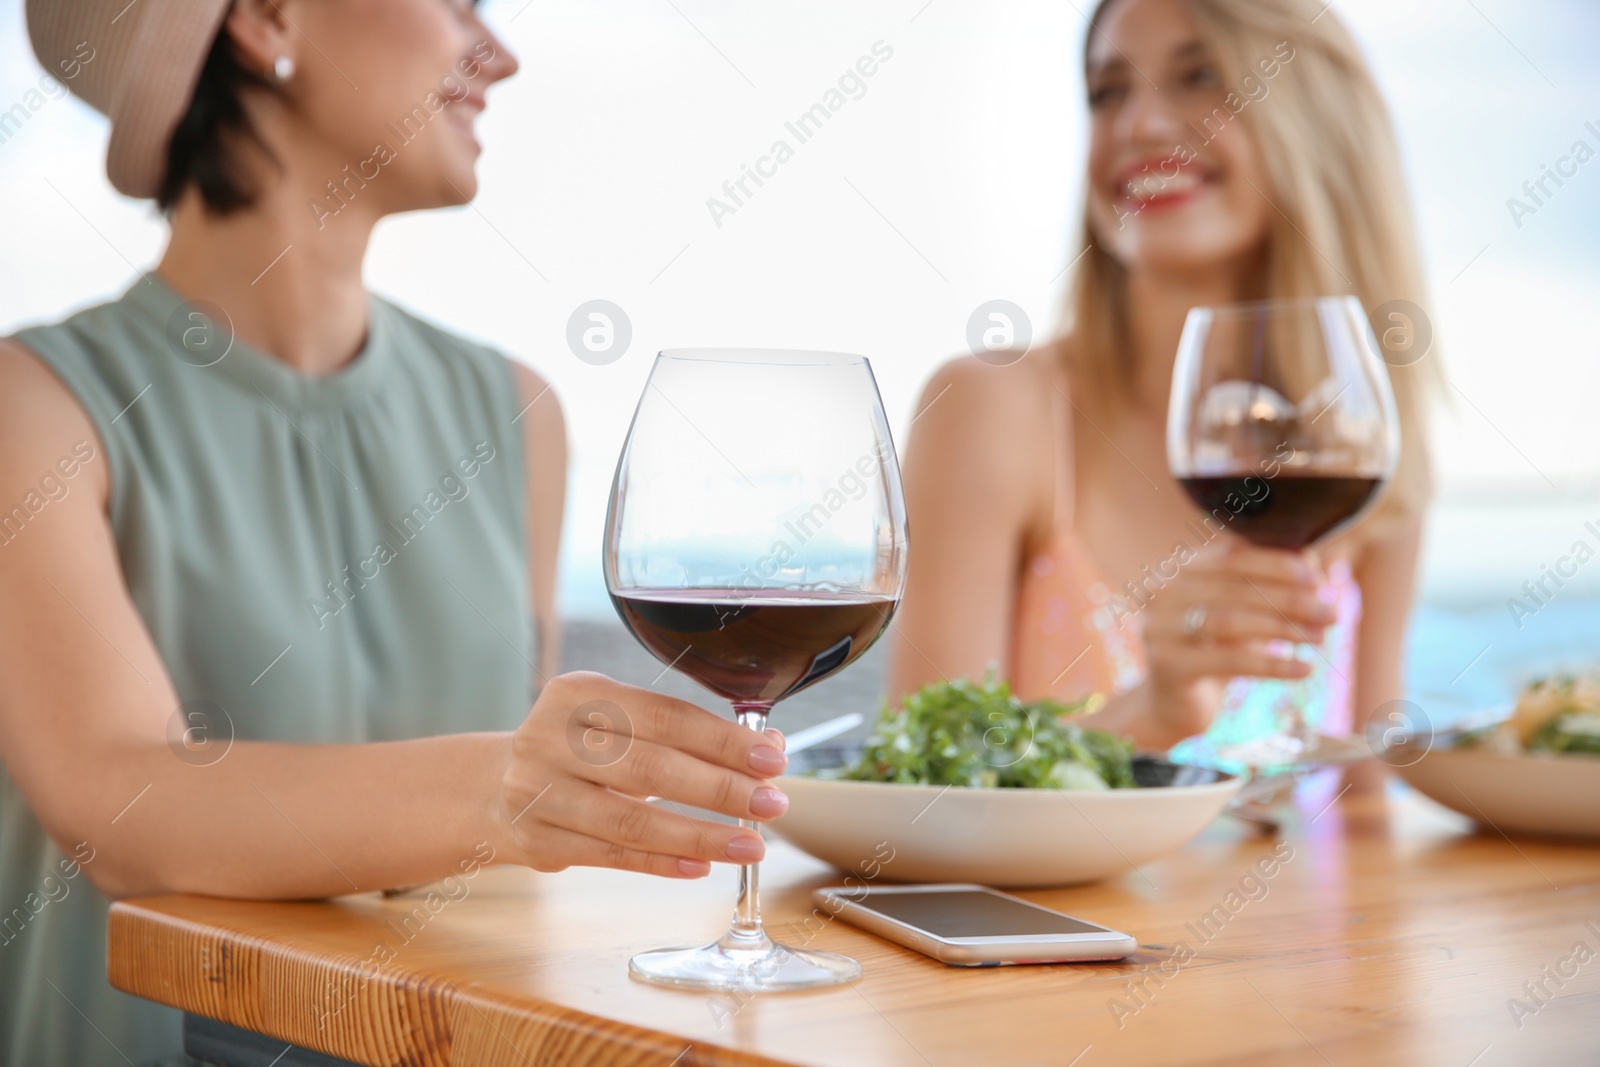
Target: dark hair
206	146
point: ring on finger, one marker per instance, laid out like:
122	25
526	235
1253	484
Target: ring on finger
1194	620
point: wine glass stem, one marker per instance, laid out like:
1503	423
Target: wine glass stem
747	913
1300	692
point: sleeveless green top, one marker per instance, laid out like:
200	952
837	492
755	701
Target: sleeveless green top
336	559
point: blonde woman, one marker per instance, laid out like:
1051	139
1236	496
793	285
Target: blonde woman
1238	150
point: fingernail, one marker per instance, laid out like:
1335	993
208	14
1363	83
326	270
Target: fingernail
764	759
777	736
693	868
767	802
744	849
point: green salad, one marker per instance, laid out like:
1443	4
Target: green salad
1558	714
1576	732
978	734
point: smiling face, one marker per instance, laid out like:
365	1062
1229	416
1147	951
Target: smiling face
1176	183
391	88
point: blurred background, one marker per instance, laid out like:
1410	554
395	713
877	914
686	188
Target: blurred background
951	179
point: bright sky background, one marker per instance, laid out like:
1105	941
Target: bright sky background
949	183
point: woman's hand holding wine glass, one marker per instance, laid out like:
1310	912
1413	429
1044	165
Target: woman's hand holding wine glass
590	752
1233	610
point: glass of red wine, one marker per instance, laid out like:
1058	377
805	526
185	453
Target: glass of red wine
1282	428
756	542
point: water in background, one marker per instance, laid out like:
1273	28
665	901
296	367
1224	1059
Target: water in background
1461	662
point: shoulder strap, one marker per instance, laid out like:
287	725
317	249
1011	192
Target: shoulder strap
1061	438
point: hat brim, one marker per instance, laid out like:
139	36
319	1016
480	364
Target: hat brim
173	42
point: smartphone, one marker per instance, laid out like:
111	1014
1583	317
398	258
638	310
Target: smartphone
973	925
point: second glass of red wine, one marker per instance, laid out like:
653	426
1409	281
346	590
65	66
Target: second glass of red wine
755	542
1282	428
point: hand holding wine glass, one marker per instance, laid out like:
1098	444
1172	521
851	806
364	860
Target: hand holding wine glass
1258	601
592	749
1282	428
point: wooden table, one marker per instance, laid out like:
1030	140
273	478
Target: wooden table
1391	933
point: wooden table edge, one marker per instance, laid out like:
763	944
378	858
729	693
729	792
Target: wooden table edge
248	970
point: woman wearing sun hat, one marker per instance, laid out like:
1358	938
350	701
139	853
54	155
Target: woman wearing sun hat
271	546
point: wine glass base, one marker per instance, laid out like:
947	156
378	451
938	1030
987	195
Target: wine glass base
1278	750
1283	750
769	967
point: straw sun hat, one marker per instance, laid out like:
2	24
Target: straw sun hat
146	60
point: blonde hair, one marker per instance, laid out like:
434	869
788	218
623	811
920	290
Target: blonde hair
1342	222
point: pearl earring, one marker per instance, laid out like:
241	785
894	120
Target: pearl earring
283	68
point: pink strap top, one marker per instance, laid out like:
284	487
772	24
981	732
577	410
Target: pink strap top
1067	640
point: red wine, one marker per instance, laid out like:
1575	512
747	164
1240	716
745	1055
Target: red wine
1290	511
754	646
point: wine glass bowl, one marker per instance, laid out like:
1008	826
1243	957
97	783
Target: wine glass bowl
1285	405
755	542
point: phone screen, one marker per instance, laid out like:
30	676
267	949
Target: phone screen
972	913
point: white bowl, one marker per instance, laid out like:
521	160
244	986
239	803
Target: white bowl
1002	837
1531	793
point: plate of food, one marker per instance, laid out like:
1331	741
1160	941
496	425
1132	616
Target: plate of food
1537	772
966	783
